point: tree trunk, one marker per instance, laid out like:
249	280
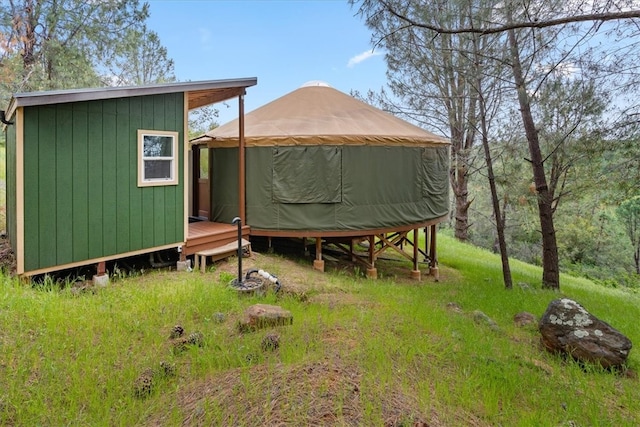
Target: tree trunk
459	184
550	264
495	200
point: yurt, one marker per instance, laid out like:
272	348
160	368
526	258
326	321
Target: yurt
318	163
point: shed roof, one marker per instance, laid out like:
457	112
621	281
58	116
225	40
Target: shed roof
200	93
319	114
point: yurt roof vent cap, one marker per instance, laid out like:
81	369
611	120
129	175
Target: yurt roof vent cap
315	83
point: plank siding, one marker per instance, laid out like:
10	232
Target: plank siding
64	185
95	214
81	199
47	185
109	174
80	159
135	198
123	183
31	189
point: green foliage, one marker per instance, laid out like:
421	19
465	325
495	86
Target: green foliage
202	120
629	214
63	44
139	59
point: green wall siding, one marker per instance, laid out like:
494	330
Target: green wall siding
380	187
81	195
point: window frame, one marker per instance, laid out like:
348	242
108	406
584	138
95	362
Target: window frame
151	182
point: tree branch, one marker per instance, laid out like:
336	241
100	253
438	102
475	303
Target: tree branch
607	16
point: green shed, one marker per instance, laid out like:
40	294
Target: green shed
99	174
321	164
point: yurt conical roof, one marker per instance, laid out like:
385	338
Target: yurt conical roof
319	114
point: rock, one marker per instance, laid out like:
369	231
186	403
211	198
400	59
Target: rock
524	319
567	328
524	286
219	317
454	307
481	318
260	316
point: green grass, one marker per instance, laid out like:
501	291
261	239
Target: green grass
359	352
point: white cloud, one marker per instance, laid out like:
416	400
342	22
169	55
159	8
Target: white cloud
355	60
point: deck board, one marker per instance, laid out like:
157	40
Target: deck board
205	235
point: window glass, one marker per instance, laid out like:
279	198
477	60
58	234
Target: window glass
157	157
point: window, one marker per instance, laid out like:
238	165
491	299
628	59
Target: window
157	158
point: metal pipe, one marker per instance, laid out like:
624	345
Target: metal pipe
238	222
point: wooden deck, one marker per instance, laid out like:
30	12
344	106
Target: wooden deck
204	235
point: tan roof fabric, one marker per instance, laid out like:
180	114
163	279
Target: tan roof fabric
315	115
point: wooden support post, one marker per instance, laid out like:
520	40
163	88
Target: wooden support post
415	273
101	268
372	272
101	277
353	257
426	244
433	266
318	263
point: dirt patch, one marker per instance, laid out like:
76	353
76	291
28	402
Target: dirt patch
297	279
7	257
325	393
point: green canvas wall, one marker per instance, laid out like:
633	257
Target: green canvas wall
81	199
379	186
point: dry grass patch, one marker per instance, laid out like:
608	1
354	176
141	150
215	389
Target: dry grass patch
325	393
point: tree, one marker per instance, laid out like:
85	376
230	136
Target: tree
531	61
428	78
139	59
202	120
480	46
52	44
629	213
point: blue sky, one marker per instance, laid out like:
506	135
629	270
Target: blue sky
284	43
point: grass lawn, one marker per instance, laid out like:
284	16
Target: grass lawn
359	352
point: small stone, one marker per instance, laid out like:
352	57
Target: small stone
219	317
270	342
480	318
524	286
524	319
454	307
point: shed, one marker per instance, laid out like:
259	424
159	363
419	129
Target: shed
321	164
100	174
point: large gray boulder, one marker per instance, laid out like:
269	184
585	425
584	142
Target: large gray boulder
568	328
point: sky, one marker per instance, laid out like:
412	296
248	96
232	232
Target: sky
283	43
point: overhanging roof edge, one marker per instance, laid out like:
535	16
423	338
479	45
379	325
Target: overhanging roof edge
26	99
